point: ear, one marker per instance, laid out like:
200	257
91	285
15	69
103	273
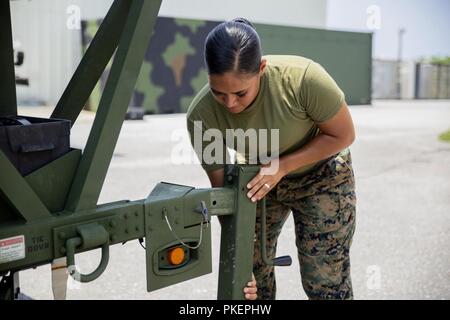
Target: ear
262	66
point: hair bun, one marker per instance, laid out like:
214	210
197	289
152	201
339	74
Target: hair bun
244	21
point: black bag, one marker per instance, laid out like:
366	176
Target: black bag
30	142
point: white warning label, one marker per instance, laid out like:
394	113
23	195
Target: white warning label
12	249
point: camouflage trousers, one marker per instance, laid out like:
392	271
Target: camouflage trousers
323	206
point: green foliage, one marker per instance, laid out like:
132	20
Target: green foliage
438	60
445	136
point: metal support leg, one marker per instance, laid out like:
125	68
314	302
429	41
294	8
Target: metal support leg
60	276
9	286
8	100
237	238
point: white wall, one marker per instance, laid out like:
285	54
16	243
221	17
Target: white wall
53	50
308	13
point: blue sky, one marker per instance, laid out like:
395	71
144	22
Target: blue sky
427	24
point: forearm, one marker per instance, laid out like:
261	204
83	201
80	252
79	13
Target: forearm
319	148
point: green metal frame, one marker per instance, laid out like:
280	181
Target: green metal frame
19	195
237	237
93	63
55	207
102	140
8	100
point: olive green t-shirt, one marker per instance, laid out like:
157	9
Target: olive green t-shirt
295	95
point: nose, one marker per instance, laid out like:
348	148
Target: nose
229	101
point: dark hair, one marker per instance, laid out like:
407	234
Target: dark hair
233	46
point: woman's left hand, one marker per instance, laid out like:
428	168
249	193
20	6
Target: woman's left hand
264	181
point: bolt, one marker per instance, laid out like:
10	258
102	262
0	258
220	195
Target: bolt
149	214
136	214
125	216
113	238
137	228
112	224
62	250
149	229
176	208
126	230
177	221
62	235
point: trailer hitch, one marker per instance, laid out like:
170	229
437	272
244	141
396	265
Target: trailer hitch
91	236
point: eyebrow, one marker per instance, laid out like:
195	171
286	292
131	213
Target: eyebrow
238	92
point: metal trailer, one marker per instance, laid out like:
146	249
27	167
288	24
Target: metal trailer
49	215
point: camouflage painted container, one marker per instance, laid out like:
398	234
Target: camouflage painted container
173	70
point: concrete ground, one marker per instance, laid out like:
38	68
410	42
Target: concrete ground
401	246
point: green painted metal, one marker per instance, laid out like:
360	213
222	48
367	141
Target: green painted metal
8	100
7	213
45	239
113	105
19	194
237	236
93	63
92	235
74	242
54	209
182	207
172	217
52	182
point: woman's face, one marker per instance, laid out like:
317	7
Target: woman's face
236	91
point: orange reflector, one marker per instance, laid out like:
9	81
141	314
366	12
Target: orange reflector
176	256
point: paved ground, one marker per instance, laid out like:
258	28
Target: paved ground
401	246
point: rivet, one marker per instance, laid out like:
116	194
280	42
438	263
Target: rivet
112	224
62	235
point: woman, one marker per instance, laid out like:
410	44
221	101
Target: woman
314	177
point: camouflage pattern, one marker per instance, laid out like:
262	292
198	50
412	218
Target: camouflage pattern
323	206
173	69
